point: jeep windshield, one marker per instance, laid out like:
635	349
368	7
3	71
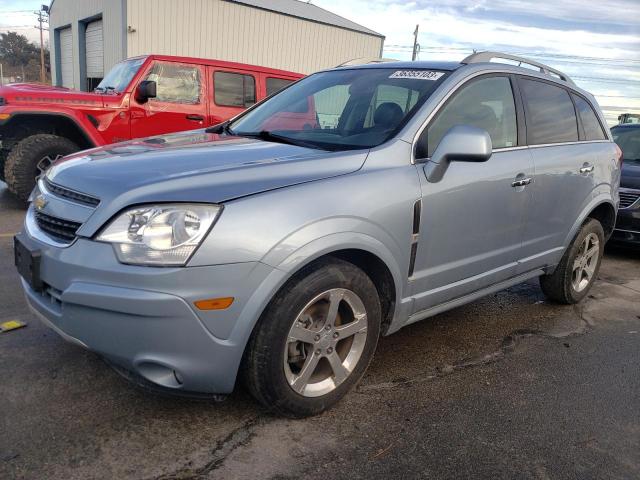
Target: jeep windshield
341	109
119	77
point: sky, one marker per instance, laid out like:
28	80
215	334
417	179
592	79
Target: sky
597	43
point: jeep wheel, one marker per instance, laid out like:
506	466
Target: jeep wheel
30	157
314	341
579	266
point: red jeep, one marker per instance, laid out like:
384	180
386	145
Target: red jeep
139	97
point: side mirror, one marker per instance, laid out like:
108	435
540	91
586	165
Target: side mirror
462	143
146	90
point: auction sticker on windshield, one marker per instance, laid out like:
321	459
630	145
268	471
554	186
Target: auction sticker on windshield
417	74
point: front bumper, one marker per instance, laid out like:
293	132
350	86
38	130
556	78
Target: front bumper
143	319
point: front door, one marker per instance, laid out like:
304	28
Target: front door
180	103
471	227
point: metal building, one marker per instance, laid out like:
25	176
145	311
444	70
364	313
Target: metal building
88	37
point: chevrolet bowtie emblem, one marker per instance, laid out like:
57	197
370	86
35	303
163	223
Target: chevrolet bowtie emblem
40	202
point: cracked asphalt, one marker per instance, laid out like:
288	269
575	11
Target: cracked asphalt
506	387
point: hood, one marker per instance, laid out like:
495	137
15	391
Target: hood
192	166
630	174
34	93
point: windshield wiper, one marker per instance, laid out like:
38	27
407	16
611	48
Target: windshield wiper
105	89
274	137
221	128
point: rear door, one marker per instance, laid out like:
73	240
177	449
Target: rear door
471	227
564	170
233	91
180	103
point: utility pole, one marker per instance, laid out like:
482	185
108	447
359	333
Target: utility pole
42	13
416	45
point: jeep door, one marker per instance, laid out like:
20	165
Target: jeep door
471	227
566	162
180	103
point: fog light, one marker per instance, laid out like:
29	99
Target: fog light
214	303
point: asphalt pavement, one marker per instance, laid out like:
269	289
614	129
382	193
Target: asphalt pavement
510	386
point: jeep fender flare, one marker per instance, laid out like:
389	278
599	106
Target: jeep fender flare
84	126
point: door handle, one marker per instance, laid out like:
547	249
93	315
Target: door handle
197	118
521	182
587	169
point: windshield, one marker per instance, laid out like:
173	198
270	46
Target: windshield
120	76
341	109
628	139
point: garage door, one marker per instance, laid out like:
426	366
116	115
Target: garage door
94	50
66	58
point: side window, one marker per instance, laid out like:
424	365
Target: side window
176	82
330	104
486	103
276	84
234	89
590	122
550	115
405	98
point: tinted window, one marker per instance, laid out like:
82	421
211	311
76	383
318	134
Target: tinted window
487	104
405	98
551	117
276	84
590	123
175	82
234	89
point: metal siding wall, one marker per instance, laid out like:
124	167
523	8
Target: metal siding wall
229	31
71	12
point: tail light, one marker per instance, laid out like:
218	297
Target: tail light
619	154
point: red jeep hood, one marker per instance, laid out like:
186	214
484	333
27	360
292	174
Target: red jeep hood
34	93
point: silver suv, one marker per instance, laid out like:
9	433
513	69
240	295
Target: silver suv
279	246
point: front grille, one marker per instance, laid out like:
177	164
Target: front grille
71	194
628	198
58	228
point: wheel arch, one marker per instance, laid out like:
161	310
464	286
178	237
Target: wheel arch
602	209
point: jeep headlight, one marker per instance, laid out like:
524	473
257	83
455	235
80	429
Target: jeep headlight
162	235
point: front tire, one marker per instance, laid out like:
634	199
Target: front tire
315	340
575	274
30	157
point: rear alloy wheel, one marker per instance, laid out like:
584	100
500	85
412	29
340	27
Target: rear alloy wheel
315	340
578	268
30	158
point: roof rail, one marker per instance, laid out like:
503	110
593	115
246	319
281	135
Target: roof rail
481	57
365	61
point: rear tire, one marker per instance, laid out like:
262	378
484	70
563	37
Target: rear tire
575	274
22	164
336	352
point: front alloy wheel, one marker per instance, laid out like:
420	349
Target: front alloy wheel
325	342
315	339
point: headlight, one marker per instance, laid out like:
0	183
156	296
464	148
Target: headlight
159	234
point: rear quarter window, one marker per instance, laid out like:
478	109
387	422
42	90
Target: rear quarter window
550	115
276	84
590	123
